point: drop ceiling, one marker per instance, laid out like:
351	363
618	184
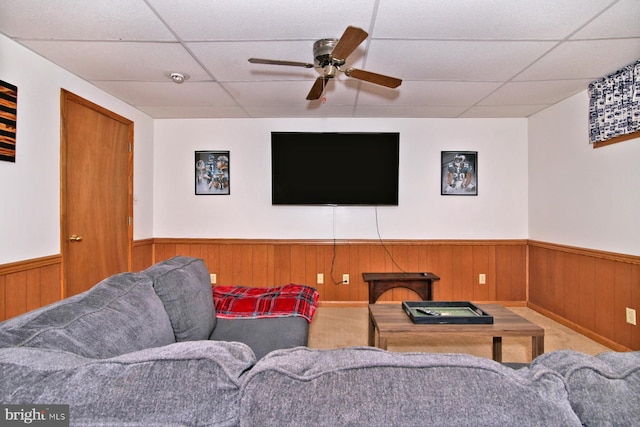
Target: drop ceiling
457	58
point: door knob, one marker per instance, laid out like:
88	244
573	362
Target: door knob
75	238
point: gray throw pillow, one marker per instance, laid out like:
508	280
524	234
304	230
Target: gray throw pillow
184	287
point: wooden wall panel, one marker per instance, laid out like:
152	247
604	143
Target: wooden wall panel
27	285
267	263
443	289
510	272
604	281
635	303
225	277
571	287
586	290
142	254
16	294
378	263
621	299
319	263
298	263
3	299
363	265
588	306
50	283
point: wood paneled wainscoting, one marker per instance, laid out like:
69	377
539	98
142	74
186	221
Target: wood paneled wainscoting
584	289
30	284
27	285
587	291
264	263
142	254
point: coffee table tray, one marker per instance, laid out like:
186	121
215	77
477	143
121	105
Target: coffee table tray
446	312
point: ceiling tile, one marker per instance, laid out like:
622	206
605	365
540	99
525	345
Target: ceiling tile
463	58
207	20
82	20
536	92
313	110
482	19
229	61
432	93
120	60
408	111
291	93
169	93
590	59
453	60
193	112
491	111
620	20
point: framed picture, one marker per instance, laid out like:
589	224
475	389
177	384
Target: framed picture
459	173
8	120
212	172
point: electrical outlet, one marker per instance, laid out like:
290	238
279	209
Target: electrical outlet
482	279
345	279
631	315
320	279
213	278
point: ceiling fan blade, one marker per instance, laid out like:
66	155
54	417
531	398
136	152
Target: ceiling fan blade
368	76
317	88
279	62
349	41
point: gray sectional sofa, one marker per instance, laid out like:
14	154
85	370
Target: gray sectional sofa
140	349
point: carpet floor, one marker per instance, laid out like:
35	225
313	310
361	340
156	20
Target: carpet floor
336	327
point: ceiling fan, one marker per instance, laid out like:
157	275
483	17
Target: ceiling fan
330	55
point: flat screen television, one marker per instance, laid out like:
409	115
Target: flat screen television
334	168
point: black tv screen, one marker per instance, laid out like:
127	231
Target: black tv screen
309	168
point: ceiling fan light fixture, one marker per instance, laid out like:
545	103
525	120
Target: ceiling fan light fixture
322	51
329	71
329	57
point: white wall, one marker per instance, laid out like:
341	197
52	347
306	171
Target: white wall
30	193
498	212
578	195
30	190
538	178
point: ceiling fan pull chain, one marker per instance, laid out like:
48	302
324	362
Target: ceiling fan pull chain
324	84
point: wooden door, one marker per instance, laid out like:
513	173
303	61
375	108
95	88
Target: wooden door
96	193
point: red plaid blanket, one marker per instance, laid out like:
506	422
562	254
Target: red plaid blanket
281	301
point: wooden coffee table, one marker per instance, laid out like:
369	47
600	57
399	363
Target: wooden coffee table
389	321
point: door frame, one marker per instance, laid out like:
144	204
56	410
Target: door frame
67	96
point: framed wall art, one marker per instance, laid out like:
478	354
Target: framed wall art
8	120
212	173
459	173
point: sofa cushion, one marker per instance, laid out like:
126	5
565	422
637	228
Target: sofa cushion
604	390
264	335
193	383
119	315
363	386
184	286
41	358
